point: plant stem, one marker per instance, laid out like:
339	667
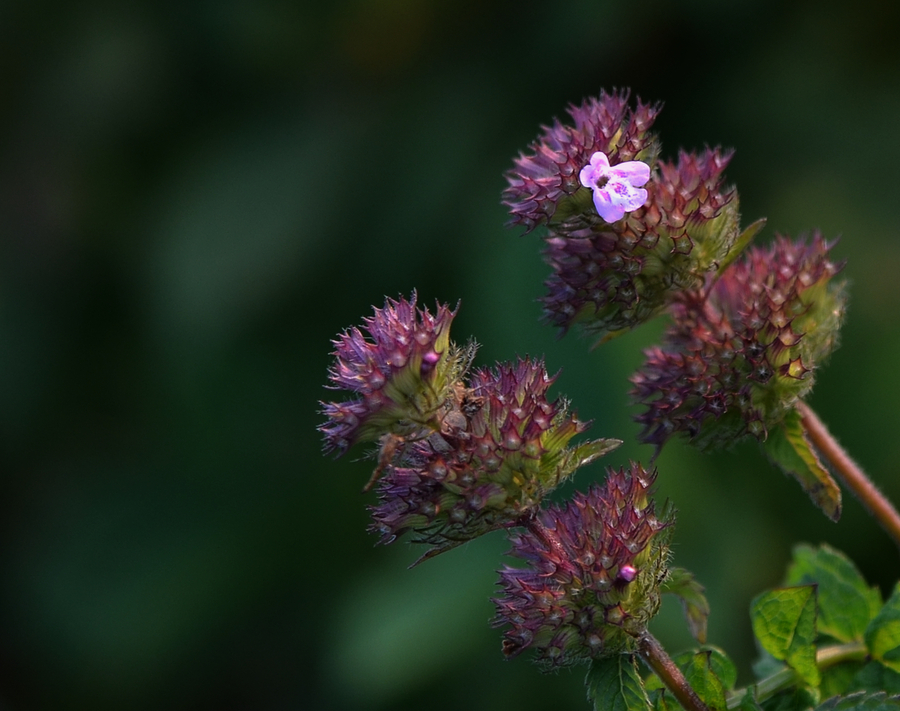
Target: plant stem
655	656
849	472
786	678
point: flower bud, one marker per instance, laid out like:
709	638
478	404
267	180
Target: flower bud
594	567
503	446
401	369
742	351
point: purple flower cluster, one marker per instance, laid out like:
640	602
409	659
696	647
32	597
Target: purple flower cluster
630	233
400	368
506	450
594	567
742	351
545	180
459	456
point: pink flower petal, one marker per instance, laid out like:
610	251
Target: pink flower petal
634	171
606	208
624	194
588	177
600	162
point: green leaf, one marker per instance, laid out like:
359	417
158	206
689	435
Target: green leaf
839	679
740	244
846	603
701	676
683	585
723	667
784	622
788	448
860	701
883	633
662	700
589	451
874	676
613	684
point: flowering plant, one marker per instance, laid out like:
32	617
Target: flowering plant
462	451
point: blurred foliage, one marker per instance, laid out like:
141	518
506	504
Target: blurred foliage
196	197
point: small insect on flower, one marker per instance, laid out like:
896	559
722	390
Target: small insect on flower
617	189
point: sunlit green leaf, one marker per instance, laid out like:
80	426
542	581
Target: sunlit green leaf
613	684
846	603
883	633
703	679
784	622
787	447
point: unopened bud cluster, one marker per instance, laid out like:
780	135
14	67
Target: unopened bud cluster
459	455
618	260
400	369
594	568
741	353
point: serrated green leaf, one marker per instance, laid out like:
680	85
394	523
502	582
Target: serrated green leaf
784	622
883	633
846	603
702	678
740	244
861	701
874	676
683	585
788	448
723	667
613	684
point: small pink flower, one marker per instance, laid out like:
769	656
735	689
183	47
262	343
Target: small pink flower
617	189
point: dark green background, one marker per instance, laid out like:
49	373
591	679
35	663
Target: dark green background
196	197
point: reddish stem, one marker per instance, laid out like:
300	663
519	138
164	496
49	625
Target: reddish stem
849	472
655	656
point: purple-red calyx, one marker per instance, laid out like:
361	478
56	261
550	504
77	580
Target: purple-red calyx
743	349
594	566
617	189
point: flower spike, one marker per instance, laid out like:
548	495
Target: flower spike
400	369
507	449
743	351
593	574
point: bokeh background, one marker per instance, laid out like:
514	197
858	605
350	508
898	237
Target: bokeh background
196	197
